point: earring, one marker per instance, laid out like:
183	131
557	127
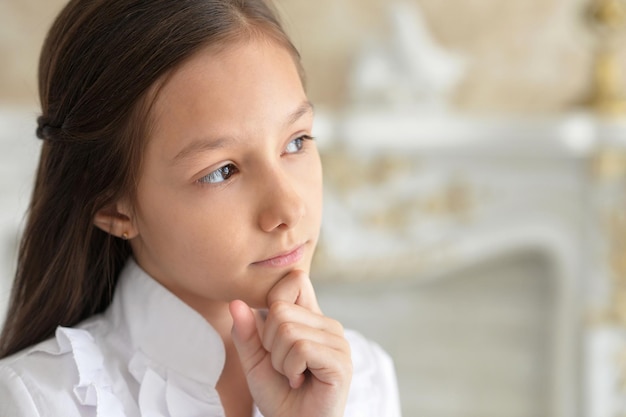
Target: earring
125	236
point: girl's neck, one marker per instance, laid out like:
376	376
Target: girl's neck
219	318
232	386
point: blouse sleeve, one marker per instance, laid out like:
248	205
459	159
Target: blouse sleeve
374	389
389	385
15	399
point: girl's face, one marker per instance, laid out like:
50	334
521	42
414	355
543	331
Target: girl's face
230	194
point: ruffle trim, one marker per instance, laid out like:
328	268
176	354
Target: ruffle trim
94	387
164	393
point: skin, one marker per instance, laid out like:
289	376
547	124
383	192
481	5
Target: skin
227	216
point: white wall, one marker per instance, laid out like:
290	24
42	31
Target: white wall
19	151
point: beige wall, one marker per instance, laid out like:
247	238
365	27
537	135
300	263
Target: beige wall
23	26
524	55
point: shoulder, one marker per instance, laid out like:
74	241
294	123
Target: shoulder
47	379
367	356
374	389
28	378
16	398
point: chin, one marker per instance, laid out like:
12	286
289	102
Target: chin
256	303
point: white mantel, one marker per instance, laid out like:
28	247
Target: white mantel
423	197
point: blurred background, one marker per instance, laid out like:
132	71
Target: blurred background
475	202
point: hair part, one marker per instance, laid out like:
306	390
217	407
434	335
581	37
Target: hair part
99	73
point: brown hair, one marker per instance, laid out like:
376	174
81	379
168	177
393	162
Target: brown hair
97	65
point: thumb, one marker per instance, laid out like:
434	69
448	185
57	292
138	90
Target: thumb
245	336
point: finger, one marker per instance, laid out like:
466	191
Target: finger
328	365
294	288
245	336
282	313
290	334
260	315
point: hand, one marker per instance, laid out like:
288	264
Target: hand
297	362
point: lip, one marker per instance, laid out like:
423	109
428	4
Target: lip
283	259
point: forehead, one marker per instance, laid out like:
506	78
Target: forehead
245	81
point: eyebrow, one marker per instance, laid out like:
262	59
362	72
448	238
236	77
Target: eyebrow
305	107
207	144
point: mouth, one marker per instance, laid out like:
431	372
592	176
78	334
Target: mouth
283	259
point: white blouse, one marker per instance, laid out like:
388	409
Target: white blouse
152	355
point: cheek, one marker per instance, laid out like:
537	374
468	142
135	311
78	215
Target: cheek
318	191
175	222
181	241
200	225
314	190
317	179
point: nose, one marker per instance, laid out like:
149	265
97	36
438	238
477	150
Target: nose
282	205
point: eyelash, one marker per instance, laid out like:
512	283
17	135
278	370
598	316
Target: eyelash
300	140
224	172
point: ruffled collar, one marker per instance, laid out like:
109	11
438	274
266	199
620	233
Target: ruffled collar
174	355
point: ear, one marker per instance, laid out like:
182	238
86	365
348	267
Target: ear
117	220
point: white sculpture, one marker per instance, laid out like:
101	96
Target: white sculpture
409	69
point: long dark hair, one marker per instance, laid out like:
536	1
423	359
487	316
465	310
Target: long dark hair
97	67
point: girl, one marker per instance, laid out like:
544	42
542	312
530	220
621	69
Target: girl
164	266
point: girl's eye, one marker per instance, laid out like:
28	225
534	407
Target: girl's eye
219	175
296	145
